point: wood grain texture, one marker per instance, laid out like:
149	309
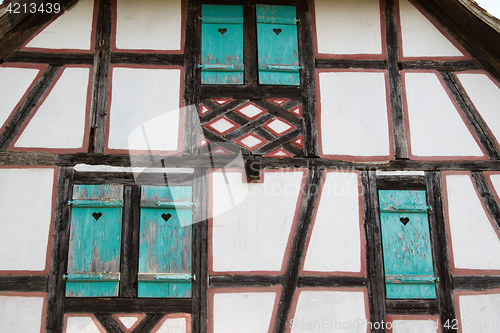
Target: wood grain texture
147	324
412	307
487	197
238	281
126	305
401	183
375	282
60	243
474	282
24	283
350	63
221	91
440	65
444	287
100	78
127	178
332	281
470	113
22	114
294	263
51	58
109	323
147	59
250	44
395	82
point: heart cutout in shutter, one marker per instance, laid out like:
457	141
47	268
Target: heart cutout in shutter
404	220
222	31
97	215
166	216
277	31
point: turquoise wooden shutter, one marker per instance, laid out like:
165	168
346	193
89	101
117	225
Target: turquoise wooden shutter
95	240
406	244
222	44
277	45
165	242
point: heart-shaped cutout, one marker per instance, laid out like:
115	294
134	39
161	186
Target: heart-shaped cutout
277	31
166	217
222	31
404	220
96	215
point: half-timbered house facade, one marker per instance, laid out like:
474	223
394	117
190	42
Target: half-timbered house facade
249	166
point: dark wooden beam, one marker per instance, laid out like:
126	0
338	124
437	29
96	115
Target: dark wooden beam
412	307
440	65
16	29
350	63
109	323
147	59
147	324
375	281
437	224
235	281
51	58
60	244
100	77
332	281
307	77
292	274
473	282
126	305
401	182
241	92
27	107
250	45
470	113
128	178
24	283
395	81
488	198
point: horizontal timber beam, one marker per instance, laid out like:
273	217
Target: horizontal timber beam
24	283
127	305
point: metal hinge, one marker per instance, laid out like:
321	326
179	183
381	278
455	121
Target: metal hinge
222	67
277	20
394	208
417	279
280	68
165	277
226	20
108	276
95	203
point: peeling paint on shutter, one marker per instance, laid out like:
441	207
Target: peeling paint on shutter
409	272
277	45
165	242
222	44
95	240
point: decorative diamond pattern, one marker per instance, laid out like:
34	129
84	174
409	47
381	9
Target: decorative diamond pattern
278	126
279	153
204	109
222	125
250	111
250	141
277	101
298	141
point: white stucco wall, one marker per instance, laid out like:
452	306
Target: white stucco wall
148	24
59	122
72	30
245	312
474	241
26	210
335	244
479	313
414	326
329	311
82	324
348	27
420	37
249	239
21	314
354	117
14	82
485	95
144	111
172	325
436	128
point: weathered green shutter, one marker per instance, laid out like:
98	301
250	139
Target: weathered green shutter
277	45
95	240
222	44
165	242
406	244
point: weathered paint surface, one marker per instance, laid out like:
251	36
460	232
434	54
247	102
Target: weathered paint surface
95	241
13	84
479	313
155	92
277	45
436	128
72	30
321	310
222	44
148	24
21	314
353	116
245	312
26	211
335	244
348	27
474	241
485	94
420	37
59	122
406	244
165	242
414	326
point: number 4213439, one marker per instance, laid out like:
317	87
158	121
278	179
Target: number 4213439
32	8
